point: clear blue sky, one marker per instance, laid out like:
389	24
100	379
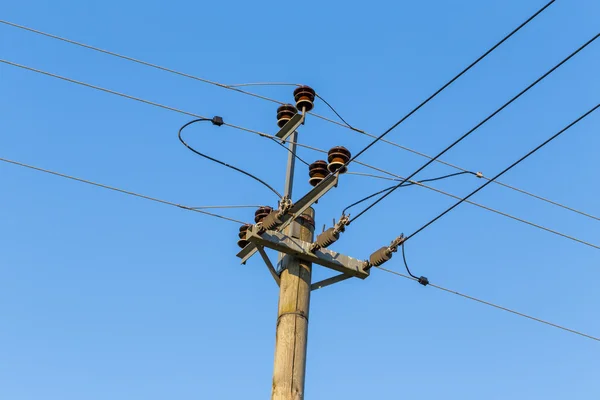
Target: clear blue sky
105	296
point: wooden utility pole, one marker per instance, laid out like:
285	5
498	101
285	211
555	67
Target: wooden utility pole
298	250
292	317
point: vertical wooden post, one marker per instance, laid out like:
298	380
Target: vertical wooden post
292	317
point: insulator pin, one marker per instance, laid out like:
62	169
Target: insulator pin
380	256
338	157
285	113
242	235
305	97
261	213
317	171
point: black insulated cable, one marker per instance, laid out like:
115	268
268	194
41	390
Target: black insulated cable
405	184
218	121
422	280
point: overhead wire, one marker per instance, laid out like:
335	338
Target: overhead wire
272	137
451	81
506	170
342	124
130	193
489	117
219	161
487	303
410	183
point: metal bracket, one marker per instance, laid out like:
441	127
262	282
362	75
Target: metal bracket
270	266
297	209
290	126
329	281
301	249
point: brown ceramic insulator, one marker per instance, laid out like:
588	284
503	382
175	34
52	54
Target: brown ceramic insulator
327	238
261	213
338	157
271	221
242	235
285	113
305	97
317	171
380	256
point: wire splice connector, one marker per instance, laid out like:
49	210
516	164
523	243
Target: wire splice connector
216	120
385	253
331	235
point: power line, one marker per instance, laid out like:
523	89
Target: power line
487	303
489	117
342	124
451	81
20	164
271	137
220	122
535	196
506	170
403	185
227	206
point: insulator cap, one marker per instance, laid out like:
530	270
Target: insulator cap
317	171
338	156
261	213
271	221
242	235
285	113
327	238
305	97
380	256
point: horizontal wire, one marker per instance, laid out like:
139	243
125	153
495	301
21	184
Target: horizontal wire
232	87
264	84
487	303
231	206
316	149
20	164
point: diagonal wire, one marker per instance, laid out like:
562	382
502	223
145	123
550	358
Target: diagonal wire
489	117
487	303
451	81
566	128
344	125
20	164
265	135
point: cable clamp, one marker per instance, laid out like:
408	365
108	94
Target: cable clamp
397	243
423	281
479	174
216	120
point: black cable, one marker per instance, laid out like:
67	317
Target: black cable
288	149
479	124
505	170
452	80
339	116
422	280
405	185
219	121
